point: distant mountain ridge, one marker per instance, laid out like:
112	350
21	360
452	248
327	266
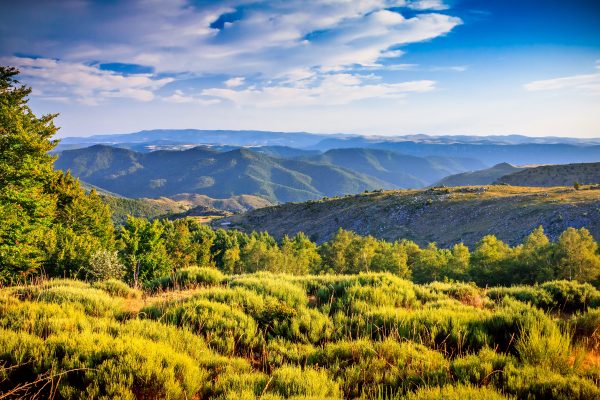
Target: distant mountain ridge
555	175
490	150
481	177
212	173
301	176
398	170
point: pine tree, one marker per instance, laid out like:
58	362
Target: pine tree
26	209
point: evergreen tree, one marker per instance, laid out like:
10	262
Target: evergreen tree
26	209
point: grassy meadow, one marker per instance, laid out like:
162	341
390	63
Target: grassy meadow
202	334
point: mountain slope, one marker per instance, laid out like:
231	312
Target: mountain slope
488	153
555	175
445	216
481	177
216	174
398	170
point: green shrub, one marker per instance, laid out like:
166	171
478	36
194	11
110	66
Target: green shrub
482	368
463	292
451	327
118	288
290	381
282	352
273	285
94	302
363	367
587	327
459	392
104	265
533	295
95	365
544	345
187	278
573	296
225	328
531	382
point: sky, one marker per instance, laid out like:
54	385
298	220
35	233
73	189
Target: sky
373	67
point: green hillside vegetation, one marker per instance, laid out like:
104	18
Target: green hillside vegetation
232	204
555	175
121	207
442	215
172	309
397	170
368	336
214	174
179	206
480	177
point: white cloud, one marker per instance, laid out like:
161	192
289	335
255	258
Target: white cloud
87	84
289	46
451	68
421	5
331	89
271	38
179	97
235	82
585	83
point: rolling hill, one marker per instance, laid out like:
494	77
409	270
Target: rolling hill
215	174
397	170
179	205
480	177
555	175
490	153
445	216
491	150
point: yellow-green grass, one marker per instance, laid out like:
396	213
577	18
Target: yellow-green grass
371	336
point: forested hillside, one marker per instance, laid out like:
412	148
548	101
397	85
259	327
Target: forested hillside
215	174
397	170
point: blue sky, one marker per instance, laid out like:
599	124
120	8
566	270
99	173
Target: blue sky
373	67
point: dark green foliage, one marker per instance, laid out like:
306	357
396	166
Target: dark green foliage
46	219
26	208
143	250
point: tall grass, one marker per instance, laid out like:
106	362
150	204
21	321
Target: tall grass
367	336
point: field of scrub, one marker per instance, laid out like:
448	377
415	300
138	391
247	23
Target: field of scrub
201	334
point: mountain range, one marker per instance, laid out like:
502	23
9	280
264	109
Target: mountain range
295	175
490	150
212	173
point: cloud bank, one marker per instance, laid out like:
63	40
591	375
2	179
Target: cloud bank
271	54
